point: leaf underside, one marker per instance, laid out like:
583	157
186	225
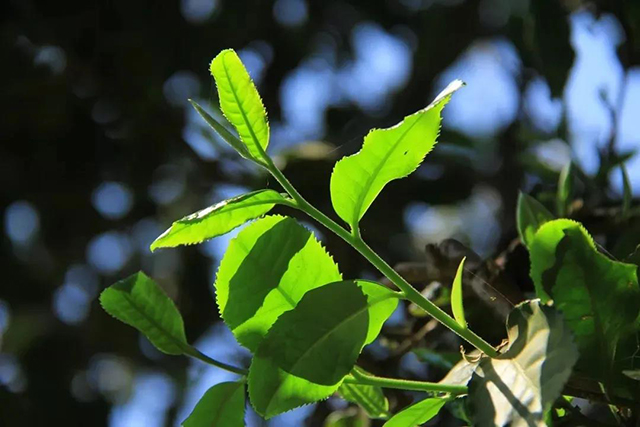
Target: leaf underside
386	155
310	349
139	302
218	219
520	385
221	406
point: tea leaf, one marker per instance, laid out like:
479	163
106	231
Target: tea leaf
241	103
386	155
368	397
599	297
139	302
417	414
456	296
220	406
531	214
627	193
309	350
266	270
519	386
218	219
231	139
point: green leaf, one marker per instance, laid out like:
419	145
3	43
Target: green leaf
310	349
417	414
599	297
241	103
627	193
368	397
218	219
221	406
531	215
230	139
139	302
519	386
565	188
386	155
456	296
266	270
349	417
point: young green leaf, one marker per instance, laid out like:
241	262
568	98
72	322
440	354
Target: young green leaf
531	214
241	103
309	350
627	193
456	296
266	270
139	302
386	155
349	417
565	188
368	397
218	219
599	297
221	406
230	139
418	413
520	385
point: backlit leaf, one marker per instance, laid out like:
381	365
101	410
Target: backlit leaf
456	296
218	219
519	386
309	350
531	214
368	397
241	103
599	297
139	302
230	139
266	270
221	406
417	414
386	155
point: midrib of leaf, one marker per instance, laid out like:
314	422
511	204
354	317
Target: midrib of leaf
377	169
231	207
225	399
241	109
180	344
329	332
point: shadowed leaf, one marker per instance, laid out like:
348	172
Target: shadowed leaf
520	385
310	349
599	297
139	302
266	270
221	406
531	214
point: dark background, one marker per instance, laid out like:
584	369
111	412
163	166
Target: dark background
100	152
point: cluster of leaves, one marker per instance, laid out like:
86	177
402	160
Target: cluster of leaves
284	298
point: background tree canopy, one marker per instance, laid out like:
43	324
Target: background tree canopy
101	151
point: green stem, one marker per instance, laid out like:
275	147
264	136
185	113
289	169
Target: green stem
206	359
356	241
367	379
